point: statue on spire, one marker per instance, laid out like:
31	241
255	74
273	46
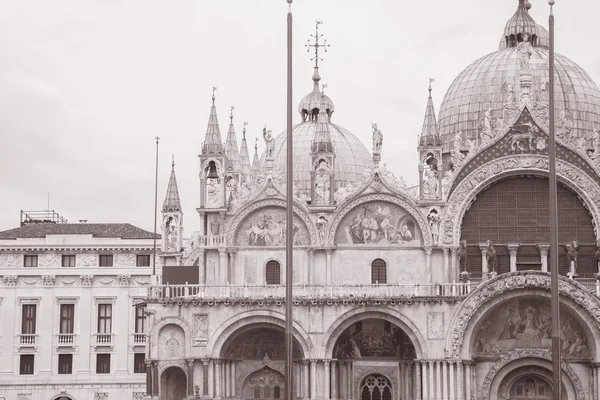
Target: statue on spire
524	50
269	143
377	139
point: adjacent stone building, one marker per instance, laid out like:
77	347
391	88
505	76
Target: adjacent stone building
69	329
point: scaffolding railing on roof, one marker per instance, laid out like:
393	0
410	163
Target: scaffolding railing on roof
47	216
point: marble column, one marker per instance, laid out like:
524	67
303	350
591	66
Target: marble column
343	381
326	381
512	250
453	262
211	379
311	267
460	382
227	378
148	377
421	168
447	268
445	381
233	377
205	362
484	263
328	265
428	263
439	379
418	384
596	368
452	385
544	248
431	378
218	379
190	377
313	379
221	277
468	380
156	378
234	276
334	380
425	381
305	374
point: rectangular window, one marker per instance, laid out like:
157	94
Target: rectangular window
140	320
106	260
30	261
26	365
103	363
105	318
67	318
143	260
68	260
28	319
139	366
65	363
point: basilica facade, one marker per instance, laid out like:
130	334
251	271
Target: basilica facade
439	291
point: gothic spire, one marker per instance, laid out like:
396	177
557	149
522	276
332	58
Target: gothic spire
255	162
172	202
430	123
212	141
231	147
244	156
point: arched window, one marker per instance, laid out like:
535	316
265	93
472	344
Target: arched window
273	273
257	392
376	387
378	272
276	392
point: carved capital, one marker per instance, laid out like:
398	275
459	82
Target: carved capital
190	362
483	248
445	250
512	249
232	251
428	250
205	361
217	361
86	280
544	248
328	251
10	280
222	251
48	280
326	363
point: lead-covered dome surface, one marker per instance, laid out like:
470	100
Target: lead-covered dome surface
485	85
352	158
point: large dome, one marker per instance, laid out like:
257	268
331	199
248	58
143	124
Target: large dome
351	156
483	85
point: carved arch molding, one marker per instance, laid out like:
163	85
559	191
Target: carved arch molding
241	216
509	282
461	198
412	210
527	353
513	376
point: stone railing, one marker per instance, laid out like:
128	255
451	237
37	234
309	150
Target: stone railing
160	292
104	338
139	338
27	339
65	339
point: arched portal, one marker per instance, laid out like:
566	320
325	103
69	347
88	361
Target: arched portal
173	384
528	382
263	384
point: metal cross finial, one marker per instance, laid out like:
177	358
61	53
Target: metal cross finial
316	45
431	80
255	144
244	130
213	95
231	115
173	160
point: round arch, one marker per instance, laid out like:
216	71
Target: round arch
241	320
180	322
406	204
582	304
392	383
514	165
235	224
62	396
525	371
386	313
163	380
515	360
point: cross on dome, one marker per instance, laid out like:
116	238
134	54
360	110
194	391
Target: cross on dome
317	45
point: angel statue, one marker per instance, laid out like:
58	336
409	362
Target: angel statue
572	256
377	139
490	255
462	257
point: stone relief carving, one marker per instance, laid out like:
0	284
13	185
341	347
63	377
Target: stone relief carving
484	393
49	261
421	224
172	346
239	219
86	280
10	260
469	187
316	319
138	395
24	396
434	219
10	280
67	281
322	182
200	327
408	267
29	281
124	280
321	224
100	396
48	280
509	282
435	325
105	280
88	260
124	260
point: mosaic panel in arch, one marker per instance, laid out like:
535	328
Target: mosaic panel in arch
374	338
258	343
267	227
526	324
378	223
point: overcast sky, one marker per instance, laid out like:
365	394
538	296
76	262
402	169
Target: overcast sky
85	86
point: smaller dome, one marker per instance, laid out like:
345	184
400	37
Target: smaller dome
316	101
521	23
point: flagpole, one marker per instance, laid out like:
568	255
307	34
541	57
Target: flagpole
554	295
155	212
289	373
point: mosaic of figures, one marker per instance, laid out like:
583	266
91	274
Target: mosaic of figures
378	223
374	338
526	324
267	227
258	343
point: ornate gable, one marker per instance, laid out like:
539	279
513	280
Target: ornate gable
525	136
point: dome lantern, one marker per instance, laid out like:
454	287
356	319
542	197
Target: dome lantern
519	25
